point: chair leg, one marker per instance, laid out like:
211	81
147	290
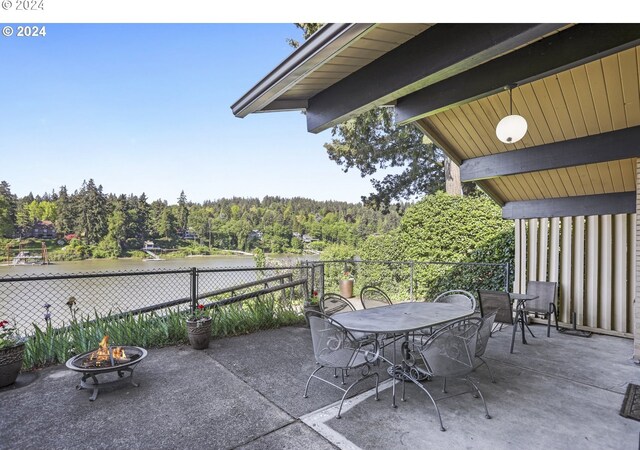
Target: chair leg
493	380
487	415
346	392
513	335
306	389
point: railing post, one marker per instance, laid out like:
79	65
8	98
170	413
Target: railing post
411	264
506	277
194	289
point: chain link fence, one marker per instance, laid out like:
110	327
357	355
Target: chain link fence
29	300
411	280
60	299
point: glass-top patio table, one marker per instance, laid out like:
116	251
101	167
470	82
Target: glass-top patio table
401	319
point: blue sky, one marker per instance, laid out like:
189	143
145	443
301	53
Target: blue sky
146	108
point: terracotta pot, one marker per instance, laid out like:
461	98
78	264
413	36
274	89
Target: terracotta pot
346	288
199	332
10	363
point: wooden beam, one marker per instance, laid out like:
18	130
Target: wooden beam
585	205
440	52
611	146
561	51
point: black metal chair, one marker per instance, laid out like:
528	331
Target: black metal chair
335	347
331	304
500	303
373	297
450	353
546	303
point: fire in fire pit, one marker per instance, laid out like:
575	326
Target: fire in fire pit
106	356
104	360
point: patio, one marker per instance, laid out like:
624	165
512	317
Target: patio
246	392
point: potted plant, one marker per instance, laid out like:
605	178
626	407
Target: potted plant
311	304
199	328
346	285
11	353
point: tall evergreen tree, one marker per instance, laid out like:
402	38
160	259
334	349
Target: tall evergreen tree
92	212
8	207
183	212
66	214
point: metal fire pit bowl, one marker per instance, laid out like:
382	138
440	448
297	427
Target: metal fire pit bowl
136	354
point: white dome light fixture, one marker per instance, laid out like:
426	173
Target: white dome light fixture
513	127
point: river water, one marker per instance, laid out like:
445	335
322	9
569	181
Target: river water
22	302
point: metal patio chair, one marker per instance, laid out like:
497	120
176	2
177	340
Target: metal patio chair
499	302
331	304
484	333
458	297
335	347
546	303
373	297
450	353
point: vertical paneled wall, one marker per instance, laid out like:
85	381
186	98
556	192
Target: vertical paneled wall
593	260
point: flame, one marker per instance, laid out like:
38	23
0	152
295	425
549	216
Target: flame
104	355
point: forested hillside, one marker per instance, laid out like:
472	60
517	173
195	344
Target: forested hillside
109	225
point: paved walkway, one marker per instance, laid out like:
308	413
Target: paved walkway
562	392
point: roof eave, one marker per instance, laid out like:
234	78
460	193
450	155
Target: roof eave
321	46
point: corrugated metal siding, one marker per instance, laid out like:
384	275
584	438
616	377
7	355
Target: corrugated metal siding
593	260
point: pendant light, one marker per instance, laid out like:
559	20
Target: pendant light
513	127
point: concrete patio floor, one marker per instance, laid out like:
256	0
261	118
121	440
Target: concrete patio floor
245	392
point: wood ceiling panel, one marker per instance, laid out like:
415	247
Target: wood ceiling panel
615	98
604	170
629	62
548	110
468	133
450	136
587	108
354	63
568	180
554	91
412	29
565	80
594	176
629	174
585	179
615	169
390	36
598	91
538	129
361	52
374	44
485	132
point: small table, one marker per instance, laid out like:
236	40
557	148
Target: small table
522	299
400	319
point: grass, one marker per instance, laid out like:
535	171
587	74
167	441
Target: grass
49	346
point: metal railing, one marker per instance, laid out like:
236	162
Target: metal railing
59	299
410	280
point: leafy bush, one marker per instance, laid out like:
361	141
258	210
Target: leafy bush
443	228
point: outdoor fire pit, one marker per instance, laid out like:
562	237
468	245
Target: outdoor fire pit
106	359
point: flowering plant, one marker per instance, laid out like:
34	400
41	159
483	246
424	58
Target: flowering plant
8	335
347	275
199	314
313	300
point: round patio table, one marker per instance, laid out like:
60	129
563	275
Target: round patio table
400	319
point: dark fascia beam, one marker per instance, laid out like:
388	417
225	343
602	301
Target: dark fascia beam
440	52
585	205
432	134
611	146
575	46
